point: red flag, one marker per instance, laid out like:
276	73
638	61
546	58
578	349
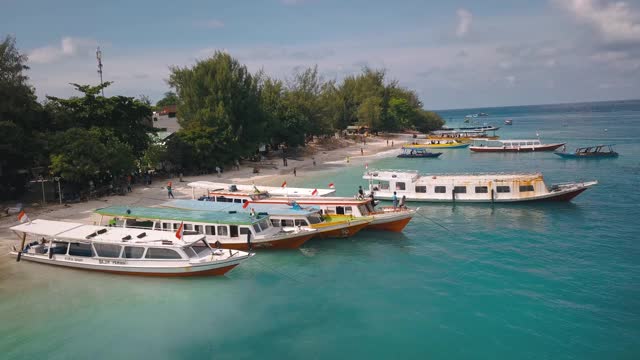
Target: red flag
246	203
331	186
180	231
22	216
284	184
314	192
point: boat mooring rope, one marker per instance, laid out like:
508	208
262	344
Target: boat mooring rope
433	221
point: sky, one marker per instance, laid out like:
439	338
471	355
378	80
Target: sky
455	54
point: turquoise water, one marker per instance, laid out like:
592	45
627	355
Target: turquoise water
471	281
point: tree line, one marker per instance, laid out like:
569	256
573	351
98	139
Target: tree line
225	111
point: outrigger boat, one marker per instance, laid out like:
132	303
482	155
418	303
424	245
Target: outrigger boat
286	217
277	191
414	151
384	218
469	187
440	144
463	136
122	250
591	152
231	230
483	145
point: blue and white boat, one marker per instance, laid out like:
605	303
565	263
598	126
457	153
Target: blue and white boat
591	152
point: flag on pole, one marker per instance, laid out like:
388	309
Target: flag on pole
284	184
314	192
22	216
246	203
180	231
332	186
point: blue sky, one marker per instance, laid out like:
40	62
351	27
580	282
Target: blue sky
455	54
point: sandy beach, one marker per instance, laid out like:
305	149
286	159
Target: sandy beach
350	154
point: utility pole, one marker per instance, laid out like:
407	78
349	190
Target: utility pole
99	58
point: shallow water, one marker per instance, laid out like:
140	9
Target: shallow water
532	281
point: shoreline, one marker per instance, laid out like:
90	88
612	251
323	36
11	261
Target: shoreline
149	195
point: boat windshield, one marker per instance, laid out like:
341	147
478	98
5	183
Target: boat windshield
198	249
264	224
314	219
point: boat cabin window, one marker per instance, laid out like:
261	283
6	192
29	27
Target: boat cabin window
198	229
503	189
524	188
315	219
256	227
287	222
188	227
421	189
210	230
369	209
108	250
381	185
330	210
275	222
264	224
440	189
244	230
482	190
176	226
237	201
160	253
157	226
233	230
340	210
133	252
400	186
166	226
78	249
301	222
460	189
222	230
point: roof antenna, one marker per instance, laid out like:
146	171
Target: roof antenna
99	58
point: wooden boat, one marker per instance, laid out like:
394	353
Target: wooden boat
231	230
591	152
286	216
441	144
488	187
275	191
483	145
463	136
415	151
121	250
383	219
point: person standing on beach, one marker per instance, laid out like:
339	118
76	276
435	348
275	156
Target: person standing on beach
391	143
314	161
361	151
395	200
129	183
295	172
218	170
387	142
169	191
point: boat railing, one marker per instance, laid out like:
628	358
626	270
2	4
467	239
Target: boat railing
369	172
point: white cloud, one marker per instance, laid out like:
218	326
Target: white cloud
69	47
511	80
615	21
464	22
212	24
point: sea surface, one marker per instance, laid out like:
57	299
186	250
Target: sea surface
528	281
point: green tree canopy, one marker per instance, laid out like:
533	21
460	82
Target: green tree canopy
170	98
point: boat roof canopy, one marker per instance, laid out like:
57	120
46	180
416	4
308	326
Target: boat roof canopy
150	213
91	233
273	190
271	209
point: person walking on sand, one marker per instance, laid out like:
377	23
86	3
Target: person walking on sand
129	183
395	200
295	172
391	143
361	151
169	191
387	142
314	161
218	170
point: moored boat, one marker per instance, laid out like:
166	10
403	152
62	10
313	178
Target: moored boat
231	230
388	219
441	144
469	187
484	145
508	122
463	136
286	216
275	191
591	152
121	250
414	151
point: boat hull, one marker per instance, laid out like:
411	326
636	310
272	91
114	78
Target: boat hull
217	269
548	147
291	242
445	146
390	224
343	231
